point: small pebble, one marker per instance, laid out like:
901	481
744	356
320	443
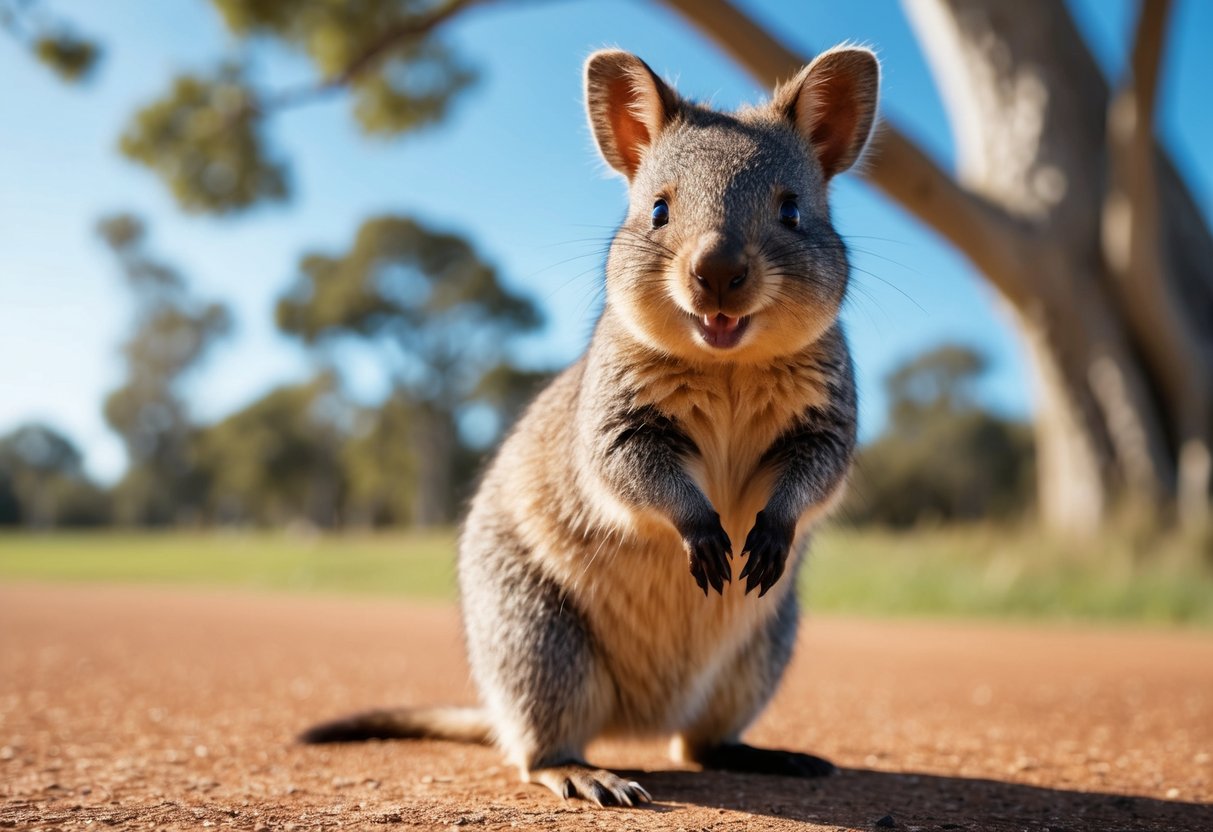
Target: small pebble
886	822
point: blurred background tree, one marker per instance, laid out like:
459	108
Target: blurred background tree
42	482
432	311
438	318
52	40
205	137
943	458
171	332
277	461
381	464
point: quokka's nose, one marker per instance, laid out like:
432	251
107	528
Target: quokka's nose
720	268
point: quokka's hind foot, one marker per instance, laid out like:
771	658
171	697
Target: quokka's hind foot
746	758
594	784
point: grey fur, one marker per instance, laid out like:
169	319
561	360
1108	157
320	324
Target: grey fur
657	453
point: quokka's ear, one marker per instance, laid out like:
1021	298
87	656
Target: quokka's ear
832	103
628	106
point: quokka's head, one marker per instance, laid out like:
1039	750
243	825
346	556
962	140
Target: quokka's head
727	251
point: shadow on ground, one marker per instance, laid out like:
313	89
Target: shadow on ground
860	799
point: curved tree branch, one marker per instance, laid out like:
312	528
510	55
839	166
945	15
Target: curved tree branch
1146	57
375	53
1131	222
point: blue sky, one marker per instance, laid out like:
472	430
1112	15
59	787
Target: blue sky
514	169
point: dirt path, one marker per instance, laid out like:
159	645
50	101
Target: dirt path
157	708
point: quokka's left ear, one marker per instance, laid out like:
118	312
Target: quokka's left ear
832	103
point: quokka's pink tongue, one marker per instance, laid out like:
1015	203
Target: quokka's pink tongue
721	323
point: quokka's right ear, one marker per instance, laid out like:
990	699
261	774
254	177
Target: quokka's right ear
628	106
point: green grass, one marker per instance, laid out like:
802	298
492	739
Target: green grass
1011	573
412	565
980	571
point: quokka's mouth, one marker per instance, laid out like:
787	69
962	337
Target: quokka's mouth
722	331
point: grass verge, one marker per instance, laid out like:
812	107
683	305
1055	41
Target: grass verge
975	571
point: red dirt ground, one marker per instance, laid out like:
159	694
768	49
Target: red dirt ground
153	708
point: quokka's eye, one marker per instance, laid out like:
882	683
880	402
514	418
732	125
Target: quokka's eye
789	213
661	213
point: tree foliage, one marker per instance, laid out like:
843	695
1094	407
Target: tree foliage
305	454
171	333
382	467
438	318
432	310
937	383
70	57
51	40
42	481
277	460
439	313
204	137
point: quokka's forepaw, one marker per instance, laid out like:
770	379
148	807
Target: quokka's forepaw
596	785
767	546
708	550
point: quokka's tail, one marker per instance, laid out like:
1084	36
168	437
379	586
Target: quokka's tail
433	723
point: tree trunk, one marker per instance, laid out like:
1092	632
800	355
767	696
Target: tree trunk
434	438
1039	135
1088	232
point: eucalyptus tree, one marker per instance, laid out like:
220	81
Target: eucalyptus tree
171	331
437	317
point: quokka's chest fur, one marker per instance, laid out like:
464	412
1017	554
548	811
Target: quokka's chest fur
734	414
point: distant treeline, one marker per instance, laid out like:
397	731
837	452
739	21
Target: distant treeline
300	454
425	307
418	303
943	457
304	454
